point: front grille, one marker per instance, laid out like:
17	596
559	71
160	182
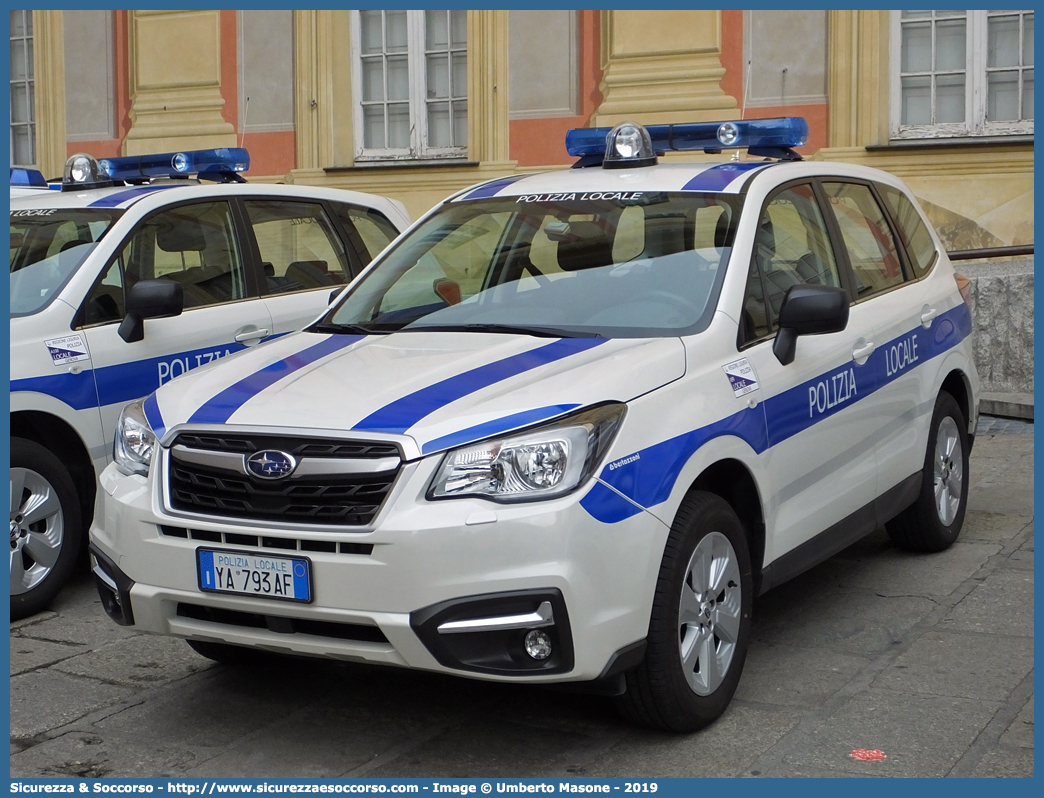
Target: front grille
298	447
341	499
264	542
281	624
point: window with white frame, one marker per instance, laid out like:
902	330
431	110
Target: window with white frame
962	73
23	99
410	78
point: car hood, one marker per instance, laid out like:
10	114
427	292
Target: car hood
439	389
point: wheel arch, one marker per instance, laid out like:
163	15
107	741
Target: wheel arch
956	384
59	437
731	480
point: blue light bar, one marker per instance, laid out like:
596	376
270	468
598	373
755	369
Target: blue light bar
177	164
30	178
751	134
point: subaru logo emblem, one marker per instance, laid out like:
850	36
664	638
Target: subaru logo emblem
271	464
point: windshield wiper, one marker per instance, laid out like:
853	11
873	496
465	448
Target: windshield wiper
510	329
343	329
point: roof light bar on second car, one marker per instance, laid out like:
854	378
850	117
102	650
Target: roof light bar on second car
769	137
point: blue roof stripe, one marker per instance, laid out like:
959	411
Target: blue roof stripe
719	177
496	426
219	409
400	415
136	193
492	188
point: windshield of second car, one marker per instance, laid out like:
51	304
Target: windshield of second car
646	265
47	246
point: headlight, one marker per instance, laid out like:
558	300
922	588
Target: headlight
135	441
537	464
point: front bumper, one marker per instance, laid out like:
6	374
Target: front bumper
382	592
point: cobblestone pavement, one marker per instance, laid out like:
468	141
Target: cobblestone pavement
926	658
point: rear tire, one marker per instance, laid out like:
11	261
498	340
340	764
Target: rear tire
46	527
934	521
700	622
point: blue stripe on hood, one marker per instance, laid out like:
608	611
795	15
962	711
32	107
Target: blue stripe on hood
219	409
153	415
400	415
497	425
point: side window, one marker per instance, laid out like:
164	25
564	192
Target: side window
915	235
867	237
192	244
373	229
790	247
299	249
105	303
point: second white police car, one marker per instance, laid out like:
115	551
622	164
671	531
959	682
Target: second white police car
565	429
135	272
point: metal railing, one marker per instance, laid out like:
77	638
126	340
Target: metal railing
991	252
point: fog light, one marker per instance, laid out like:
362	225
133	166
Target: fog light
538	644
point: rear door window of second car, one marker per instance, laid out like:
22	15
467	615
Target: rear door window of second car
368	230
299	247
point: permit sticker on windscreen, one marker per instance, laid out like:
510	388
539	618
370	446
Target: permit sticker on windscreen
742	376
69	349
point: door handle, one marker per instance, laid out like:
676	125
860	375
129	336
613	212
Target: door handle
863	352
927	315
251	335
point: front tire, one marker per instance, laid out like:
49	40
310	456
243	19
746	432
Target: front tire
46	527
934	521
700	623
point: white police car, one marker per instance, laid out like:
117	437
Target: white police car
124	280
565	429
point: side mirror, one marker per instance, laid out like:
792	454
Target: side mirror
150	299
808	310
334	294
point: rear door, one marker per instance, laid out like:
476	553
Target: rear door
903	311
307	253
196	245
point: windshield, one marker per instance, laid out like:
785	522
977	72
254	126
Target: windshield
616	265
47	246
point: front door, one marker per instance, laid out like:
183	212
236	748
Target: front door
820	461
195	245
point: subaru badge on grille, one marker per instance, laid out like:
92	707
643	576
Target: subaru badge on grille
271	464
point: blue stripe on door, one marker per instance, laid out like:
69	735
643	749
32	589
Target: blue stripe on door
648	476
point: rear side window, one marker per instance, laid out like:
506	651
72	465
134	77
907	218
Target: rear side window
867	237
299	249
374	232
912	230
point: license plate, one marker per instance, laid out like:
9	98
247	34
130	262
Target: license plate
248	573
